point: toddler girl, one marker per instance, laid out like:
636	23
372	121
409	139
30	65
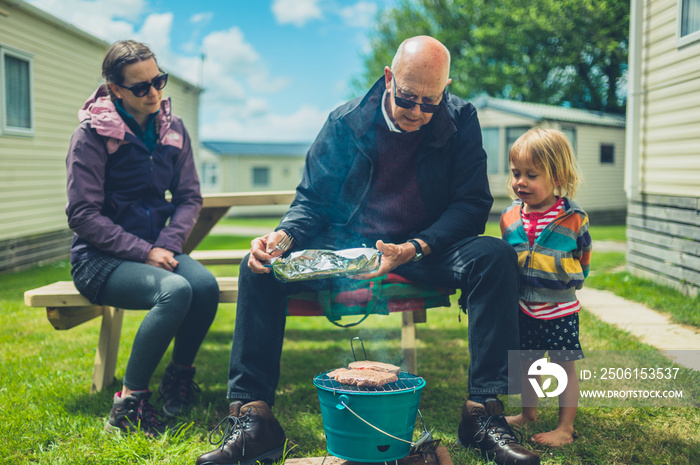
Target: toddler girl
550	234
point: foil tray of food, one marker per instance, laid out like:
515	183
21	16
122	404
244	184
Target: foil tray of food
305	265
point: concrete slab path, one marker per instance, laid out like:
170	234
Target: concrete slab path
651	327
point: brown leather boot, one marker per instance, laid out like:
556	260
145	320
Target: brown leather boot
486	428
252	434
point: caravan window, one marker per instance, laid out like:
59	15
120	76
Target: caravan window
688	21
16	94
491	139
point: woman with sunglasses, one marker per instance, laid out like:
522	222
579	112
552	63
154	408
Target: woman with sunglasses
127	250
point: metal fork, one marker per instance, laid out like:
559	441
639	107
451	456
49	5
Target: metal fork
284	243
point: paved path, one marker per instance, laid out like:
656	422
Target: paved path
651	327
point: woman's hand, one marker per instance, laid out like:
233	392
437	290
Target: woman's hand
262	250
162	258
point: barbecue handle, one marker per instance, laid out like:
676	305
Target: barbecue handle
343	399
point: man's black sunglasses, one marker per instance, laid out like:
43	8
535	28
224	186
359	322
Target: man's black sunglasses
143	88
408	104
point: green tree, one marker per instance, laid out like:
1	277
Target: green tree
561	52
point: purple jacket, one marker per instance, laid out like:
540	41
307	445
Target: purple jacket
116	188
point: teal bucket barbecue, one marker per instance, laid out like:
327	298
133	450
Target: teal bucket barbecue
369	424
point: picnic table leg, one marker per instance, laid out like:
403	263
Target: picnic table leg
107	348
408	342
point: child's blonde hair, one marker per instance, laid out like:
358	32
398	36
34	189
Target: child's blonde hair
548	150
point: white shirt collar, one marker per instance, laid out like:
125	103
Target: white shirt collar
389	123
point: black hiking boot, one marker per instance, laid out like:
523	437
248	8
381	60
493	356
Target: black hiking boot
177	388
134	413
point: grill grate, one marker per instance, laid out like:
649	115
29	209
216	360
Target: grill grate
406	382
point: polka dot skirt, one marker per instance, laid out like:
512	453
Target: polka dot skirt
558	336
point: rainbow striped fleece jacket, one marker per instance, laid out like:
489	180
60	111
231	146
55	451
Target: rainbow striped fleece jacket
556	265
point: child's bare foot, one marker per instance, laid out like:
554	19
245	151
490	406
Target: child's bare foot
556	438
519	420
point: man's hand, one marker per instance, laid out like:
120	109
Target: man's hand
393	255
162	258
262	250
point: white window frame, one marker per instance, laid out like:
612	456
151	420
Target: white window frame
4	128
209	170
688	38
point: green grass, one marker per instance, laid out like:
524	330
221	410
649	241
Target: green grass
682	309
609	233
599	233
270	222
49	416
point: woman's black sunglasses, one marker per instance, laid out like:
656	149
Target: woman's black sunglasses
408	104
143	88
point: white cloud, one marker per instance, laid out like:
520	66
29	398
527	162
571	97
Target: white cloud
361	14
188	68
229	49
229	60
155	33
202	17
302	125
297	12
106	19
262	82
198	21
233	67
255	107
237	81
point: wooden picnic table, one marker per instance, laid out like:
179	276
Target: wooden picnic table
66	308
216	206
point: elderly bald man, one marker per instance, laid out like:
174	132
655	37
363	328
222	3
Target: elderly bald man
403	168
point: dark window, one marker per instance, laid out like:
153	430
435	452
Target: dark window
17	105
607	153
690	17
261	176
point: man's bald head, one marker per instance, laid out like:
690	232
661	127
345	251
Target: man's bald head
425	56
419	73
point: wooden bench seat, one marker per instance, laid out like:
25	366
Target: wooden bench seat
218	257
66	308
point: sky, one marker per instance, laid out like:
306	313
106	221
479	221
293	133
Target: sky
271	70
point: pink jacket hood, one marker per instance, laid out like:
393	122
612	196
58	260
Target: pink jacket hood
102	114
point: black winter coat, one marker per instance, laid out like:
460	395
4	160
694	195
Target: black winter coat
339	168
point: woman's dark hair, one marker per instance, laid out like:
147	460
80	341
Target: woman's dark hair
121	54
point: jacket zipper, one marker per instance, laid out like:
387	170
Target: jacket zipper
547	230
365	192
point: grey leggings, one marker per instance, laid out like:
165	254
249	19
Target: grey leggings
182	305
